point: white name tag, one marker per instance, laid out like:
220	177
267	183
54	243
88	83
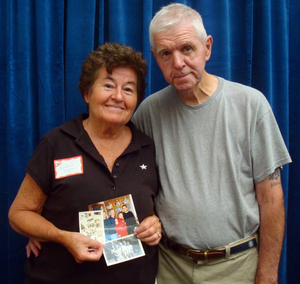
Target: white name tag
68	167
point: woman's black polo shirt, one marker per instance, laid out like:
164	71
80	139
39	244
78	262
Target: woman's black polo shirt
89	181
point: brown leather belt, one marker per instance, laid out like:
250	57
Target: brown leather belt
212	254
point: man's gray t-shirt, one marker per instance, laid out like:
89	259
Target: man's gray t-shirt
209	158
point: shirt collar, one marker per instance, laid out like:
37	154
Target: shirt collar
76	130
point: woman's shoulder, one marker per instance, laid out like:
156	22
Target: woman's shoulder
71	127
139	136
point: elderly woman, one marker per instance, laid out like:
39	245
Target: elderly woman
98	156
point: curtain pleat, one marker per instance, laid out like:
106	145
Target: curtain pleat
44	42
293	228
4	228
79	33
49	76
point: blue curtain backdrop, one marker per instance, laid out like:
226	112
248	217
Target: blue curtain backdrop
43	44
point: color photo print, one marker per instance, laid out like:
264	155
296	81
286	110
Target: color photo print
119	221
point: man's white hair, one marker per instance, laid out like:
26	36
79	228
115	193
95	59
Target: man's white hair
171	15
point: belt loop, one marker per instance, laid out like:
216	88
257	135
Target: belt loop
227	249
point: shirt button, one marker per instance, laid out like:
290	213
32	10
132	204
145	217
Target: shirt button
117	165
115	177
113	188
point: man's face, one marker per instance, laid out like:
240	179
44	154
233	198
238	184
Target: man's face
181	56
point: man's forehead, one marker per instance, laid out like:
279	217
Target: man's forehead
173	45
176	39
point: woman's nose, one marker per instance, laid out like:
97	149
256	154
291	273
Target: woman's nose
118	95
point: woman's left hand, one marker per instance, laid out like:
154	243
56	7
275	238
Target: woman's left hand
149	231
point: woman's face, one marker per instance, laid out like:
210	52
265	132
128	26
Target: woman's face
113	97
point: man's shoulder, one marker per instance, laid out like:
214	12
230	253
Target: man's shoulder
241	88
242	92
153	106
244	97
159	96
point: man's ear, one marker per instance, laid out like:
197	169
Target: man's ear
153	53
208	46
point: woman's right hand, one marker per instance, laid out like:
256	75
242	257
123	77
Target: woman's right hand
82	247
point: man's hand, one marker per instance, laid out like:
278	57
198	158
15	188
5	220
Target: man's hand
34	247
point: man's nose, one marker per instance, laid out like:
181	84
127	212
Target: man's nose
178	60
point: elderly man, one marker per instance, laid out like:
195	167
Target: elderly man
219	153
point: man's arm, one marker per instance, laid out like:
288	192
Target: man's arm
272	220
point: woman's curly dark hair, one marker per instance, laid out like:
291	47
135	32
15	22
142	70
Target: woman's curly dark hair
111	55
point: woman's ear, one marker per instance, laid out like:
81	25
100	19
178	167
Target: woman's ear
86	97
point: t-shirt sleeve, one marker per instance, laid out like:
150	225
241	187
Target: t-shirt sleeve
40	166
268	148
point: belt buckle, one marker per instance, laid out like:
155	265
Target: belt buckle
196	251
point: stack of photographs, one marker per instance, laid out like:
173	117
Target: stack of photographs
113	222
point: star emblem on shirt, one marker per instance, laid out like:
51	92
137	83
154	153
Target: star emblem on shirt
143	167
